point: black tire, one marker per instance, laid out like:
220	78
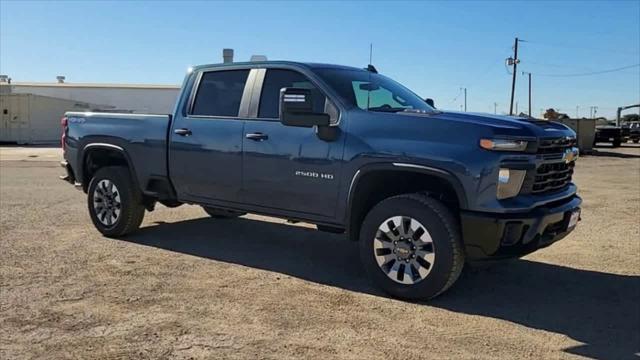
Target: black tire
635	141
221	213
444	231
616	143
131	207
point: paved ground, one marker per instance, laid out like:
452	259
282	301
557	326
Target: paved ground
187	286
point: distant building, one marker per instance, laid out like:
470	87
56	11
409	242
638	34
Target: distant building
552	114
137	98
31	112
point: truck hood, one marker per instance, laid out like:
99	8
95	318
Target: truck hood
534	127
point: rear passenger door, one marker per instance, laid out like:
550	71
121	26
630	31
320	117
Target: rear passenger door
205	154
288	168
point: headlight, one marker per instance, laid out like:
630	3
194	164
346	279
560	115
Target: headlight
503	145
509	183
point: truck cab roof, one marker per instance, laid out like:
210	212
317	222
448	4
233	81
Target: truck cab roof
254	64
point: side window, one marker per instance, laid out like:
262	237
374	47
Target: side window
220	93
276	79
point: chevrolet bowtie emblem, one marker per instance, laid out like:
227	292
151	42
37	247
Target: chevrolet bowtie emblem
570	154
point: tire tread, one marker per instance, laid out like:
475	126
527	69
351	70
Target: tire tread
441	213
454	235
133	197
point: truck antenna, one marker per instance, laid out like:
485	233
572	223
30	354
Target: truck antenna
369	70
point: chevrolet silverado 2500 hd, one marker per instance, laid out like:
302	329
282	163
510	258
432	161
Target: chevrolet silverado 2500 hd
344	148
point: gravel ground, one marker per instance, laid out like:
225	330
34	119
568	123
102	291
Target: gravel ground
187	286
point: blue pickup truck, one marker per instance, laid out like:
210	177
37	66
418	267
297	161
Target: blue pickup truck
422	190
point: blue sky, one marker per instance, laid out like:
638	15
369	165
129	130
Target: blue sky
434	48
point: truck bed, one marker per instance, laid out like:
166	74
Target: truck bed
141	137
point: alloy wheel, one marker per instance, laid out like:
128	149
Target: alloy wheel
106	202
404	250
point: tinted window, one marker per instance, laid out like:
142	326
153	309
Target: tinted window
276	79
220	93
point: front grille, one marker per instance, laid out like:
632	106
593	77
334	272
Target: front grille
555	146
554	174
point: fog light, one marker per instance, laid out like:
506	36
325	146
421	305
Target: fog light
503	176
509	183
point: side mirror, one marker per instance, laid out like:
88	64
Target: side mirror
296	109
430	102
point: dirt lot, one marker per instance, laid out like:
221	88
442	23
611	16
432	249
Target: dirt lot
187	286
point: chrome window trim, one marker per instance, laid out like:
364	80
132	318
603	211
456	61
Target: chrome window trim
247	94
254	106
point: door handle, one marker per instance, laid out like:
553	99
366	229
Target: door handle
257	136
182	132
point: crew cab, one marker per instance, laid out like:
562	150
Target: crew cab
422	190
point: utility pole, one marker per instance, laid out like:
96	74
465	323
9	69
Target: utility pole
513	61
465	98
495	108
528	73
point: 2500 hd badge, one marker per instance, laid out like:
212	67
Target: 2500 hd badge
313	174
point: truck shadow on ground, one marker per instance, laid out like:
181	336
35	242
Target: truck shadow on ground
598	309
604	153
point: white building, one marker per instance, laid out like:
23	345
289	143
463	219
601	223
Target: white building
31	112
136	98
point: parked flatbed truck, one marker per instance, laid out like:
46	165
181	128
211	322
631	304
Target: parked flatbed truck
422	190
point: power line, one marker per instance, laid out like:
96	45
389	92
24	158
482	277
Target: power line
483	74
591	73
457	96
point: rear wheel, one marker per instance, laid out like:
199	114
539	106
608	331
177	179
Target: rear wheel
221	213
114	201
616	143
410	246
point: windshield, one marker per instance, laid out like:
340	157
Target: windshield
373	92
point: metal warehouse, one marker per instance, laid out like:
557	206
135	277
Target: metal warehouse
31	112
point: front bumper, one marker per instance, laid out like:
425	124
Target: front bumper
489	236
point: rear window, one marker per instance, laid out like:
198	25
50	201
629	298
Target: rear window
220	93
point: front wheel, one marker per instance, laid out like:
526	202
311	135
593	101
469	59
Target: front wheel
115	203
410	246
